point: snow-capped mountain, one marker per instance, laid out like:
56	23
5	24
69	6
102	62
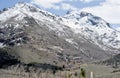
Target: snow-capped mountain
94	28
36	35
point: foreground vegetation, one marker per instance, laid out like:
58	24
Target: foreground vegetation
10	67
99	71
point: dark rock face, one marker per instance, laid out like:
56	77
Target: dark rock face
11	36
83	14
5	9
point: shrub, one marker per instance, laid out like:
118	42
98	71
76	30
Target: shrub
82	73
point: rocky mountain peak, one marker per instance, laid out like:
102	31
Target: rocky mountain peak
83	14
86	18
77	14
26	6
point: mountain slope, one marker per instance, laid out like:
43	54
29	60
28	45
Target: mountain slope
33	35
95	29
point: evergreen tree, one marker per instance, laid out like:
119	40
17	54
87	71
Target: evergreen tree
82	73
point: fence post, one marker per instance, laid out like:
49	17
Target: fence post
91	74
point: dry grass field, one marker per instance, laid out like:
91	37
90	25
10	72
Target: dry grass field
99	71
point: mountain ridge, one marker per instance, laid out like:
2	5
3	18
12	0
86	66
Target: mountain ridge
36	35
